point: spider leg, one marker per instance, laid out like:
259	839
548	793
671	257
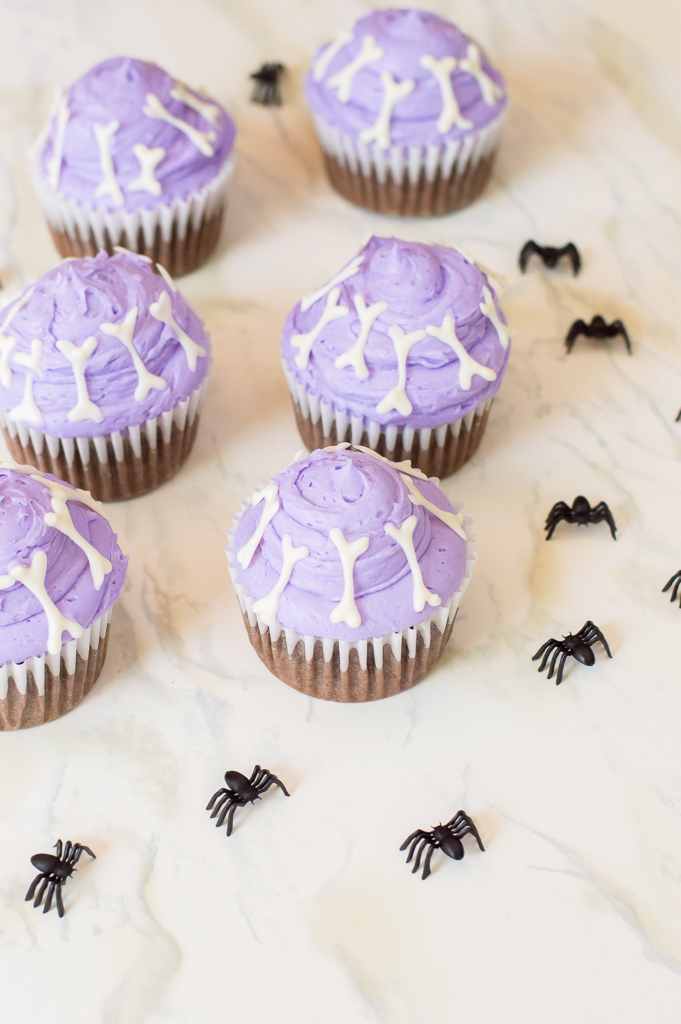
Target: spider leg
556	655
529	249
595	634
417	863
621	329
601	512
32	887
541	650
560	511
220	804
274	781
578	327
41	891
256	771
426	863
559	677
678	417
68	851
260	778
415	838
86	849
549	647
572	252
58	847
50	894
220	792
230	819
228	808
674	582
468	828
60	902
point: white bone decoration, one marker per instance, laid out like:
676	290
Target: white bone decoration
325	58
342	81
124	331
27	411
270	508
267	607
451	519
404	535
393	92
146	181
468	366
7	342
397	396
202	140
441	71
342	275
84	409
355	355
54	163
472	65
304	342
489	309
207	108
161	310
108	186
346	610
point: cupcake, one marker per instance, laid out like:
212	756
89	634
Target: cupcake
403	351
409	113
61	571
102	374
349	571
131	156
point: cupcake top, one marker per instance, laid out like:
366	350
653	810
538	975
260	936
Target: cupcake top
346	545
406	333
60	564
98	345
128	135
404	77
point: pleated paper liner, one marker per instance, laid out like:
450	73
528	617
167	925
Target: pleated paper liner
41	689
436	451
412	181
116	466
351	672
180	236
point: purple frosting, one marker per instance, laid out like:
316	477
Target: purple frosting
405	36
24	502
71	303
358	494
116	91
421	284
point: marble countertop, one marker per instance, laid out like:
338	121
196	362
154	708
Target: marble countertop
308	913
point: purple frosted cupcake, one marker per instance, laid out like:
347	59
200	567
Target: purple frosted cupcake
349	571
403	351
408	111
130	156
61	571
103	367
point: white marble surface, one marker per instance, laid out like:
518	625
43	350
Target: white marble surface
309	913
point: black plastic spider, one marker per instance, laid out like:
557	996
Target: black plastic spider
54	870
267	89
581	513
674	582
575	645
443	837
598	328
550	256
241	791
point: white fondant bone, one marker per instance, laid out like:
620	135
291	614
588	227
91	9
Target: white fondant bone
60	519
57	488
124	331
499	278
207	108
451	519
355	356
342	275
27	411
471	64
54	163
489	309
325	58
468	367
402	467
441	71
7	342
33	578
393	93
271	507
129	252
397	396
343	79
346	610
108	186
202	140
404	535
304	342
268	606
166	277
146	180
84	409
161	310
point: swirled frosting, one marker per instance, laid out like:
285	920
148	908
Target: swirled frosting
395	42
26	499
139	364
359	495
418	287
99	136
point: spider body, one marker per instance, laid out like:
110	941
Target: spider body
599	329
239	792
579	512
266	88
675	584
550	256
443	837
54	869
574	645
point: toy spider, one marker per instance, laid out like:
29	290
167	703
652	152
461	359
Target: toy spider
241	791
674	582
443	837
597	329
581	513
54	870
575	645
550	256
267	89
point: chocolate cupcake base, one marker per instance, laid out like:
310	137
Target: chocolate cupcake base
41	690
116	466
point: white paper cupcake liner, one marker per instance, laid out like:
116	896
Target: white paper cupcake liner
419	640
424	447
